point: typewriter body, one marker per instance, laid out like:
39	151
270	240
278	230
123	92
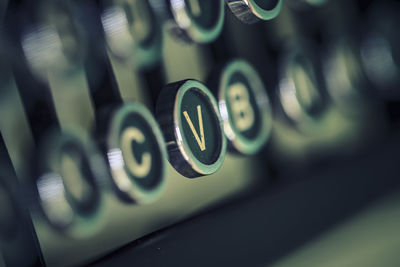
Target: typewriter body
199	132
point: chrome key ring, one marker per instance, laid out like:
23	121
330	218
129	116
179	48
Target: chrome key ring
251	11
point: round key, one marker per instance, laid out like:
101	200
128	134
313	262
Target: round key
199	21
132	31
244	105
251	11
345	79
300	89
189	119
69	183
55	41
136	153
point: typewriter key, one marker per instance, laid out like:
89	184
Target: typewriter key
244	106
251	11
132	31
70	177
136	154
346	81
300	87
199	21
189	118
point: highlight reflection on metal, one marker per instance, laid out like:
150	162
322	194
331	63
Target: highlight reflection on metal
42	48
53	199
251	11
197	166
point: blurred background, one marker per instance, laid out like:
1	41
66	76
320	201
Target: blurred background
323	189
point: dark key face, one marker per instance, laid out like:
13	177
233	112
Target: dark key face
56	42
244	106
78	178
140	151
301	92
136	154
200	126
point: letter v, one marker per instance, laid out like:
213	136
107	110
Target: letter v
200	141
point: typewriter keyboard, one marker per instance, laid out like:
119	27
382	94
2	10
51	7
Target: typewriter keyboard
120	118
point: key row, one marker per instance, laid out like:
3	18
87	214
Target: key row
192	128
132	29
133	145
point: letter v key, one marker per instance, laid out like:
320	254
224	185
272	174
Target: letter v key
200	141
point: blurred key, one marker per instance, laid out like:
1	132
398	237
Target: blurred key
301	89
244	105
198	21
132	31
251	11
